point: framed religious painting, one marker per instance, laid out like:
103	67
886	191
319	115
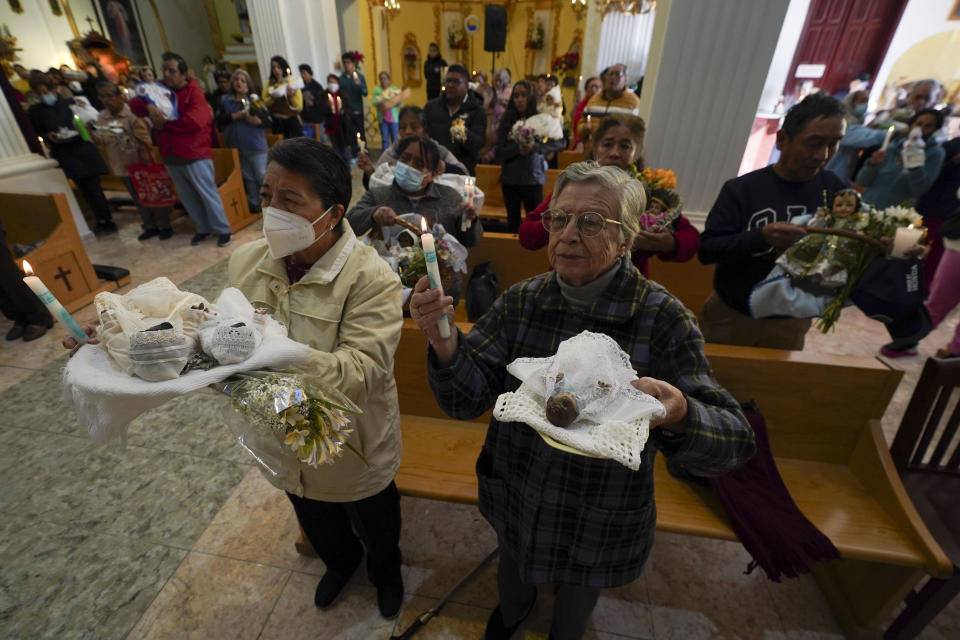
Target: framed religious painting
121	24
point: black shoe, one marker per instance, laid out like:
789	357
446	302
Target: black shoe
389	599
165	234
34	331
147	234
198	238
16	331
331	586
223	240
498	630
105	227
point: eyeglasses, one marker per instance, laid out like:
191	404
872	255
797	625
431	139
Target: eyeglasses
615	74
589	223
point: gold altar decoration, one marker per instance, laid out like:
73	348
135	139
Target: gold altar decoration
635	7
412	74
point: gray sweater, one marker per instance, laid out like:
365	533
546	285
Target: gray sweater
440	204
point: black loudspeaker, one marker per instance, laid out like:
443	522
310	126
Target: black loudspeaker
495	28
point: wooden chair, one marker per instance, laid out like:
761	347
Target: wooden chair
932	480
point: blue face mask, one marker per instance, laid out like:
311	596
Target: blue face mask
408	178
49	99
860	109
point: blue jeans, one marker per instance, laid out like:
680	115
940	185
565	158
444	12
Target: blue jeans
389	130
197	187
253	166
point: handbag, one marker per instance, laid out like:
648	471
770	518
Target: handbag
153	184
889	289
482	291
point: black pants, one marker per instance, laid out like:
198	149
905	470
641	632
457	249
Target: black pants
330	528
288	127
530	195
17	301
92	193
572	606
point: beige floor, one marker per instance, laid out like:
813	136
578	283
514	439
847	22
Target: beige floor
243	578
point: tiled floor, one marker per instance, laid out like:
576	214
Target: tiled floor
177	536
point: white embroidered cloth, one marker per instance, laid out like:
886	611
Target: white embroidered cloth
614	419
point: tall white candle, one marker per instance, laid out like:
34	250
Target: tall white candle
469	184
53	305
433	272
886	140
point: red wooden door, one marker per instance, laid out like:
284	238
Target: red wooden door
849	37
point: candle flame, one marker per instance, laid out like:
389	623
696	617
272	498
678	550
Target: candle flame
27	269
910	226
423	224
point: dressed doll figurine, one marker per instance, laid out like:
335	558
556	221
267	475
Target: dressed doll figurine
663	208
822	259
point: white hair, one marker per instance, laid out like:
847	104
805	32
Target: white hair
630	193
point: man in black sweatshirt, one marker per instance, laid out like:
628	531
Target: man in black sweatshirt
457	102
748	226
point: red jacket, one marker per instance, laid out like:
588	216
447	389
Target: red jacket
189	135
533	236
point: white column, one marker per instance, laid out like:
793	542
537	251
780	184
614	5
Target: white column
26	172
302	31
706	71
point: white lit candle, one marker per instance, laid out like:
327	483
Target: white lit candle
905	239
469	184
53	305
433	272
886	140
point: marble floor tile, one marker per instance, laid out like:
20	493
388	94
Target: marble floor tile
353	615
35	402
212	597
697	589
803	610
9	376
442	542
61	581
257	524
194	424
624	611
163	498
454	622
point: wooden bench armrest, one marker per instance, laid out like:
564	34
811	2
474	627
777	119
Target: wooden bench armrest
874	467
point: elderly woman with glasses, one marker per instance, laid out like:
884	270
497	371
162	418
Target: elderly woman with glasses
579	523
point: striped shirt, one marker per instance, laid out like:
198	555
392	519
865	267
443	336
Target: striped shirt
567	518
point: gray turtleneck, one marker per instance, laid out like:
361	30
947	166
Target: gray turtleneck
584	296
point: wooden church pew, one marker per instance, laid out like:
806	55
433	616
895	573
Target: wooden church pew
823	417
61	262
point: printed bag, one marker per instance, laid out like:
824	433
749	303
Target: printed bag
152	183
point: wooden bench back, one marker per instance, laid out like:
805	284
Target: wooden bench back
61	262
488	180
567	158
846	391
511	262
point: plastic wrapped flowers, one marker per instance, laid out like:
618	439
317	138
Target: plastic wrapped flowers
284	410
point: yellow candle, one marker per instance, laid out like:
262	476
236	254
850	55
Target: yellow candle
53	305
433	272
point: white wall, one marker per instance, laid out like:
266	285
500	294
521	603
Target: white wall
921	19
302	31
783	55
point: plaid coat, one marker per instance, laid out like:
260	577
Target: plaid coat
572	519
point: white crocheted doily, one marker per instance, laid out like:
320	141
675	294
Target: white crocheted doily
614	417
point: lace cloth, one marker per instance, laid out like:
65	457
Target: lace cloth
614	418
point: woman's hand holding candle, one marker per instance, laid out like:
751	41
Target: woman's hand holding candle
428	306
433	272
71	343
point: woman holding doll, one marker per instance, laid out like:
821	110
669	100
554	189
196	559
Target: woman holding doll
619	143
574	522
523	168
338	297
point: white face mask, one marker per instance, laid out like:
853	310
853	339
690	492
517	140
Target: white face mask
333	87
288	233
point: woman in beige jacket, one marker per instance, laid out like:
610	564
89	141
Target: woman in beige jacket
337	296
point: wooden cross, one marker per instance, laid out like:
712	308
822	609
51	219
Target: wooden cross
61	274
234	205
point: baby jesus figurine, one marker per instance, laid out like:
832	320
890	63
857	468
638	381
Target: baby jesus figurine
821	259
